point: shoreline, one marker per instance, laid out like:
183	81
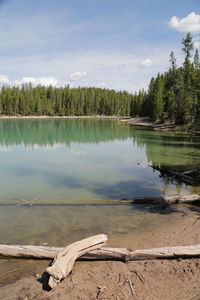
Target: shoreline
145	122
138	121
60	117
152	279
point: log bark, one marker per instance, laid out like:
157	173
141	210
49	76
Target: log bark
104	253
64	261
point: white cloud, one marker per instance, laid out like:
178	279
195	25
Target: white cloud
146	63
77	75
191	23
122	69
41	80
4	79
102	84
16	82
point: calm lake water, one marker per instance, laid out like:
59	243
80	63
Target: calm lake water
72	166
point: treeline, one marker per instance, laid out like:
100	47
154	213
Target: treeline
175	95
172	96
64	101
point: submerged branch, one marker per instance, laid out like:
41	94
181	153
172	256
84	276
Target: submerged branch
190	177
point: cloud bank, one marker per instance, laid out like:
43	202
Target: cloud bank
4	79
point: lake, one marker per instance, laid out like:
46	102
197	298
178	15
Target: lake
72	166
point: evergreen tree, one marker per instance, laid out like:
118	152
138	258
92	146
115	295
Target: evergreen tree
197	60
172	61
187	49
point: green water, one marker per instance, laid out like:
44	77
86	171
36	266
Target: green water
72	165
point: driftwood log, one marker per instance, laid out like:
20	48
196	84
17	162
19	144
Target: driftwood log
90	249
64	261
168	200
179	199
104	253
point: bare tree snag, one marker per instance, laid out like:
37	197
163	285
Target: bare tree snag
63	263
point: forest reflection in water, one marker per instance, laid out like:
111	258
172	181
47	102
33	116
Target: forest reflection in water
164	148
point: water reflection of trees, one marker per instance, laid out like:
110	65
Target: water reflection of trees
48	132
174	152
162	148
170	149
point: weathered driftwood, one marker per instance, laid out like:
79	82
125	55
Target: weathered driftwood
64	261
197	132
123	254
179	199
28	251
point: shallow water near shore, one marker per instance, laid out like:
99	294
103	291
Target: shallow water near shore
67	168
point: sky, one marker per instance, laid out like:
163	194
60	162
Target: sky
116	44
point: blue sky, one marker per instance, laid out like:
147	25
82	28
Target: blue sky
117	44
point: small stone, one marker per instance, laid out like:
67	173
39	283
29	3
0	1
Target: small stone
179	259
37	276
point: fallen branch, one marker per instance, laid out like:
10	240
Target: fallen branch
131	286
189	176
27	203
64	262
122	254
180	176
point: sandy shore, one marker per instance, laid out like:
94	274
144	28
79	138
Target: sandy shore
58	117
155	279
140	121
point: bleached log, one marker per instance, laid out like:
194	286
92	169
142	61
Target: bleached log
123	254
64	261
29	251
166	252
44	252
